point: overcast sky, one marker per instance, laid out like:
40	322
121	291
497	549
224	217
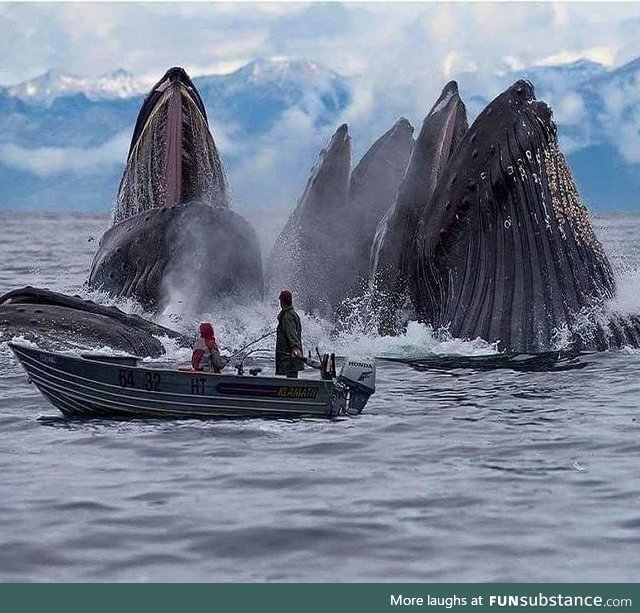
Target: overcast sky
392	47
400	53
389	41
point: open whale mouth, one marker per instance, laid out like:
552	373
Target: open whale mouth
173	232
507	252
175	102
172	158
175	82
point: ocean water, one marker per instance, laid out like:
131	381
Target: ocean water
457	476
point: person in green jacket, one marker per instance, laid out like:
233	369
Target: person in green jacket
288	338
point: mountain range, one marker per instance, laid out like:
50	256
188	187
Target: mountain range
63	139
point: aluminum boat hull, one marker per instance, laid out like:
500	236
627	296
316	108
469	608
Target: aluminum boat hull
113	387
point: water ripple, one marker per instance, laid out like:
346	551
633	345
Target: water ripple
456	476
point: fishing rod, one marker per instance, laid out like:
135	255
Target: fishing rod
233	355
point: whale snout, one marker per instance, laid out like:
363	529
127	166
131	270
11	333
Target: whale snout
544	114
524	90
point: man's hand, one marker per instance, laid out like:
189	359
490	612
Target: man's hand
296	353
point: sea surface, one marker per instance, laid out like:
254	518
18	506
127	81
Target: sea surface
454	476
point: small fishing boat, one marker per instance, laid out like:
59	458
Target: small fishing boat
92	385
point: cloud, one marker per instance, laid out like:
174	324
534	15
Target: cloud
51	161
570	109
391	44
94	38
620	120
398	56
628	133
601	55
268	175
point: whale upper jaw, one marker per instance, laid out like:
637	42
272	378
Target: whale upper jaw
175	79
172	158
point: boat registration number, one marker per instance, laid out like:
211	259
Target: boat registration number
150	383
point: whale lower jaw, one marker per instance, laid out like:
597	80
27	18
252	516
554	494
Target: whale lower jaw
190	255
394	241
505	251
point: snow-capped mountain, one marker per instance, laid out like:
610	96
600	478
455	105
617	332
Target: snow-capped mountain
63	144
281	70
54	84
63	139
253	98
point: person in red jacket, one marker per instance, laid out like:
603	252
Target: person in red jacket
206	355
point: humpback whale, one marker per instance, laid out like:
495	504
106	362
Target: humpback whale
174	238
322	253
302	258
372	188
486	237
442	130
56	320
505	250
484	233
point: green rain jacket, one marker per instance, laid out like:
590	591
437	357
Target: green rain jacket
288	336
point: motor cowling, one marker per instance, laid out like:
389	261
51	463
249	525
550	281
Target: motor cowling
358	374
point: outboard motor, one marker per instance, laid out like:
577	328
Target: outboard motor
358	375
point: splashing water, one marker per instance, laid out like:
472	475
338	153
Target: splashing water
237	325
528	462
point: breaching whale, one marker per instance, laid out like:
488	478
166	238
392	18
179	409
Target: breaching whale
302	258
174	238
55	320
322	253
505	250
372	188
442	130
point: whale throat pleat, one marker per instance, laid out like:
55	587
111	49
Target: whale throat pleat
507	251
